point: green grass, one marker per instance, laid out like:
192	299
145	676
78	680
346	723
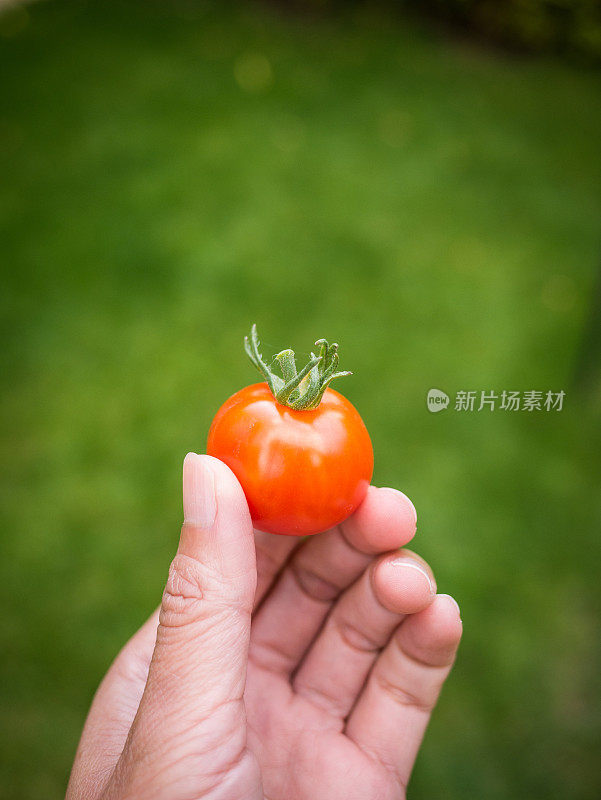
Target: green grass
170	176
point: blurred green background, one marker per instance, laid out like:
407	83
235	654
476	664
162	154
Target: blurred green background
172	172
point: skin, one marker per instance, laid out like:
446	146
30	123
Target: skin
328	694
303	472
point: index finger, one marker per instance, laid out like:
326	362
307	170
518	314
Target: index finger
385	520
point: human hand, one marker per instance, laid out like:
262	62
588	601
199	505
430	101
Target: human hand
327	695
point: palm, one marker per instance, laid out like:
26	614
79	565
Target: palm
302	749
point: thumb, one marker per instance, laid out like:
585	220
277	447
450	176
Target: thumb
193	700
204	621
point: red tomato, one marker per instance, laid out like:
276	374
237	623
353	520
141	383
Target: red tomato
302	471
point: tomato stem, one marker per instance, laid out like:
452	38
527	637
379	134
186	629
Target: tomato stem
299	390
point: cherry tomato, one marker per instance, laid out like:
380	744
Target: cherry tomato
302	471
299	449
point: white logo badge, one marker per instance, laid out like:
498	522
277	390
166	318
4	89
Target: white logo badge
437	400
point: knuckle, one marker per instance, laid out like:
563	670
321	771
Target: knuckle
423	701
131	667
356	639
313	585
184	592
194	592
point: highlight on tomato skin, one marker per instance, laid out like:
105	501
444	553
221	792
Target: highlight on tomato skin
300	450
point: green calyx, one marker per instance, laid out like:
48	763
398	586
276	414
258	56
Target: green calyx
299	390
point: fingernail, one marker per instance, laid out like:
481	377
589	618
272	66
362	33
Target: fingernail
409	562
455	603
412	507
200	504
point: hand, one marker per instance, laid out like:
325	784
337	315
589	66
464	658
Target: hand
329	694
